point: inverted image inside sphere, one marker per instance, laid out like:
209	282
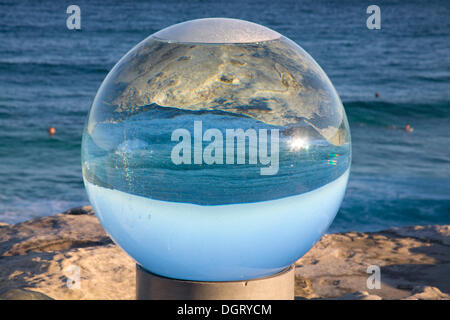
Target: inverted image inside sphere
197	153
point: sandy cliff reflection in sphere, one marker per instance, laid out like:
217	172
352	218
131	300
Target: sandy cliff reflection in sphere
181	203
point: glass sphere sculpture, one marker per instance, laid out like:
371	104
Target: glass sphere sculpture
216	150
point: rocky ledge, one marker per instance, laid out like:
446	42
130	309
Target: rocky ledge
43	258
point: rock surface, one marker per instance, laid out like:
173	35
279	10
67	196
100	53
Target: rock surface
407	257
44	258
21	294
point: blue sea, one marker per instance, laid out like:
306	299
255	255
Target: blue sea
49	76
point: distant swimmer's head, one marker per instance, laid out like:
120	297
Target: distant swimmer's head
408	128
51	131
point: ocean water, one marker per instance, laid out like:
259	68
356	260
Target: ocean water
135	156
49	76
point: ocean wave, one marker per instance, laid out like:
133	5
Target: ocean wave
384	112
31	67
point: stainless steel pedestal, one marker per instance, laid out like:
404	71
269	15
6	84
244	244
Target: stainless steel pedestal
279	286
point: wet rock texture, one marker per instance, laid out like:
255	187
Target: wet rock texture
43	258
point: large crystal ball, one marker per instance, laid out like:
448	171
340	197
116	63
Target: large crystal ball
216	150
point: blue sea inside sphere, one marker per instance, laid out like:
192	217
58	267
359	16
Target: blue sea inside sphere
216	150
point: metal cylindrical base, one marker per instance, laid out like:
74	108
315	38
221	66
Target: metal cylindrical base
279	286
